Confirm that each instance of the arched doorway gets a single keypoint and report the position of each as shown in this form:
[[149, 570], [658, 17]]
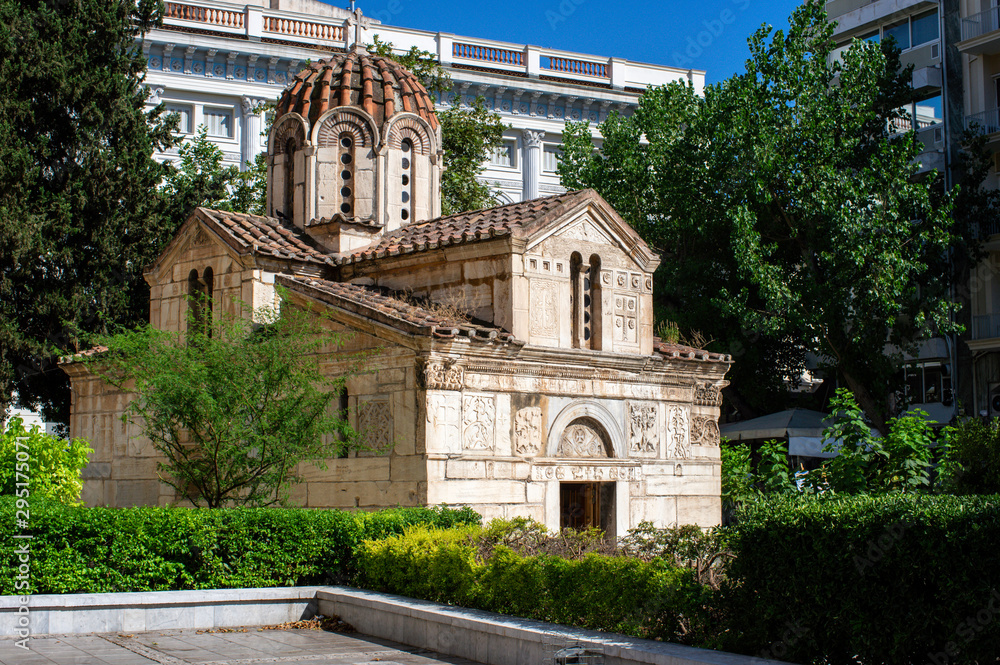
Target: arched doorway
[[584, 505]]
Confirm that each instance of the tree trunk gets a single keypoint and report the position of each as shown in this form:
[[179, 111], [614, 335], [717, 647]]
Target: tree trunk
[[867, 403]]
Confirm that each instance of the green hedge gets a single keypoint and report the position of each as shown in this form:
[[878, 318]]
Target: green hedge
[[651, 599], [97, 550], [867, 579]]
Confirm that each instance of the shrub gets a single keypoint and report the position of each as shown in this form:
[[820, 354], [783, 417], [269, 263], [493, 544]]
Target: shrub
[[98, 550], [972, 460], [50, 464], [473, 567], [897, 578]]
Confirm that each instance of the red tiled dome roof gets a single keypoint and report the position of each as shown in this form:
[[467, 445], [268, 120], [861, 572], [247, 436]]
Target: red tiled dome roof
[[380, 86]]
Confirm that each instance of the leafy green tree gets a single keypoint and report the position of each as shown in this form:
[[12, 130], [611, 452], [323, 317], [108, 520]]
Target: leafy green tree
[[78, 222], [233, 406], [199, 178], [33, 463], [469, 135], [790, 209], [971, 464]]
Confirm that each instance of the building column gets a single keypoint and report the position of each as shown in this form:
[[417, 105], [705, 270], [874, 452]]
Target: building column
[[250, 141], [532, 158]]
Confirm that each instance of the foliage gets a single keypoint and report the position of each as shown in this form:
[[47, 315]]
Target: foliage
[[422, 64], [77, 221], [642, 597], [469, 135], [899, 461], [248, 192], [789, 211], [104, 550], [50, 465], [233, 406], [738, 479], [198, 178], [971, 463], [865, 579]]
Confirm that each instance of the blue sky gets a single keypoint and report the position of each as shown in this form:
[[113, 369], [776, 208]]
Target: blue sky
[[709, 35]]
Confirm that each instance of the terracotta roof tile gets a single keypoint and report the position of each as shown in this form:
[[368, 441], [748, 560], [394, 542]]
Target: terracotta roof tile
[[266, 235], [466, 227], [688, 352], [381, 86], [390, 306]]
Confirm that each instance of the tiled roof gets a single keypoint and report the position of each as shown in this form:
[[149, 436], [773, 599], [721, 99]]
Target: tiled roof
[[265, 235], [468, 226], [392, 308], [688, 352], [380, 86]]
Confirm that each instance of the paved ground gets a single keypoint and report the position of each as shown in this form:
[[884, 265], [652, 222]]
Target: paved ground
[[183, 647]]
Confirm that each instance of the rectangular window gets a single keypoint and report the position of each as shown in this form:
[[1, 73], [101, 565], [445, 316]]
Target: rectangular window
[[184, 116], [505, 155], [550, 158], [925, 27], [928, 112], [873, 37], [219, 122], [900, 32]]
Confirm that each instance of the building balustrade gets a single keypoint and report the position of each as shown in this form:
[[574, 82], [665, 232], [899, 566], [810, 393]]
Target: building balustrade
[[986, 326], [981, 24], [254, 23]]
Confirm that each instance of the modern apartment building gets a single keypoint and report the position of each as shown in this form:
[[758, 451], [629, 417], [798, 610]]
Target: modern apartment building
[[954, 46], [213, 63]]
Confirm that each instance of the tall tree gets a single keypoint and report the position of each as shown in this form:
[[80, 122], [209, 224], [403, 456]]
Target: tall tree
[[470, 133], [801, 199], [77, 219]]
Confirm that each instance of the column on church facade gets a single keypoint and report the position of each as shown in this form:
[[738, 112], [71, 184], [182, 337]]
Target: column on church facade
[[250, 142], [532, 158]]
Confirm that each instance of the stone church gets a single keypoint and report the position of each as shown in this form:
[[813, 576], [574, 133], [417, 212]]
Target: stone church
[[515, 368]]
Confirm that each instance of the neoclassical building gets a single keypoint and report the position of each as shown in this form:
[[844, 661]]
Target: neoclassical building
[[514, 365]]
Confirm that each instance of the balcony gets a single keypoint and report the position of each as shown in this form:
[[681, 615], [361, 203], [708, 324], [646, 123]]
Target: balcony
[[981, 32], [988, 121], [986, 326], [254, 23]]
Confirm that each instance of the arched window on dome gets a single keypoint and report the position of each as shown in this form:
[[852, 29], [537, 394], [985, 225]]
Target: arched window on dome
[[346, 179], [406, 181]]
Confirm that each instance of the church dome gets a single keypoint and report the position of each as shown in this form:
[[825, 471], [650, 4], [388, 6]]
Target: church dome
[[378, 85]]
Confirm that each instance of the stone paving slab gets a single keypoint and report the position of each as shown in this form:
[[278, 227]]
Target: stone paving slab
[[192, 647]]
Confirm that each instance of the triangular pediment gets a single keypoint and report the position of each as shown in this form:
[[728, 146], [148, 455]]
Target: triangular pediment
[[594, 221], [194, 233]]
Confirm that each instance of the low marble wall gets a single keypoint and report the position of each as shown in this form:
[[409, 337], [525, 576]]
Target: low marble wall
[[156, 610], [497, 639]]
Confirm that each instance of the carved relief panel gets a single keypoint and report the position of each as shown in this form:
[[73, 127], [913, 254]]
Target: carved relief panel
[[678, 433], [643, 429], [528, 431], [582, 438], [375, 424], [544, 313], [626, 318], [441, 376], [478, 422], [444, 419], [705, 431]]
